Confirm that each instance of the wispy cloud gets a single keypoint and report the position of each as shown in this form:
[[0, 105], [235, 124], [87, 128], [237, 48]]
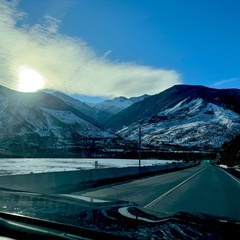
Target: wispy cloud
[[69, 64], [226, 81], [107, 53]]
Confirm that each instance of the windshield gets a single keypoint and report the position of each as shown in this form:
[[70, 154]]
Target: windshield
[[121, 104]]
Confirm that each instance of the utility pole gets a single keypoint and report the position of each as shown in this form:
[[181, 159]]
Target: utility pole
[[139, 144]]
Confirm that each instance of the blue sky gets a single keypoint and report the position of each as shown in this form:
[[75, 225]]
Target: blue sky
[[167, 42]]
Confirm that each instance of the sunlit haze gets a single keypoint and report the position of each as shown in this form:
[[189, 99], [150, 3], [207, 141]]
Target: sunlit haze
[[30, 80]]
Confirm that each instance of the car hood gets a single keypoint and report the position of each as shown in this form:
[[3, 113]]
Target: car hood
[[121, 219]]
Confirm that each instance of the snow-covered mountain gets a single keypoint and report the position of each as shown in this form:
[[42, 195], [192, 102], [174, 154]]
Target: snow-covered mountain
[[84, 110], [182, 118], [105, 110], [54, 124], [98, 113], [41, 124], [194, 125]]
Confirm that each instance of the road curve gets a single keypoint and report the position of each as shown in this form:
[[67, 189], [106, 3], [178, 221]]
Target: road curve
[[201, 189]]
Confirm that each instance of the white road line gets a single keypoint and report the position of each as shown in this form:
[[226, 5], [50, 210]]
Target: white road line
[[231, 176], [171, 190]]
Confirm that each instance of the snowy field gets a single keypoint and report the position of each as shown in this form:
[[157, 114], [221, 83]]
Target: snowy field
[[9, 166]]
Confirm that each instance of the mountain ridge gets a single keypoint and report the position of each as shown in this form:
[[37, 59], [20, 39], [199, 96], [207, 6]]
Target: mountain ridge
[[158, 102], [109, 108], [181, 118], [48, 127]]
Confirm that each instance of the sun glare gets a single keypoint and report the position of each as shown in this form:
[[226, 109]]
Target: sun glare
[[30, 80]]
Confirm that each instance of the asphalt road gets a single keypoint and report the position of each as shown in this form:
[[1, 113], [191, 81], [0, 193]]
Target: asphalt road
[[202, 189]]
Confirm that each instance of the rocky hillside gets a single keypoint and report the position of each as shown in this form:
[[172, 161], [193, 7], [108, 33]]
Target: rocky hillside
[[151, 106], [182, 118], [83, 110], [41, 124]]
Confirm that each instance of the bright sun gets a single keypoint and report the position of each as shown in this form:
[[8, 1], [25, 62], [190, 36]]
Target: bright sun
[[30, 80]]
